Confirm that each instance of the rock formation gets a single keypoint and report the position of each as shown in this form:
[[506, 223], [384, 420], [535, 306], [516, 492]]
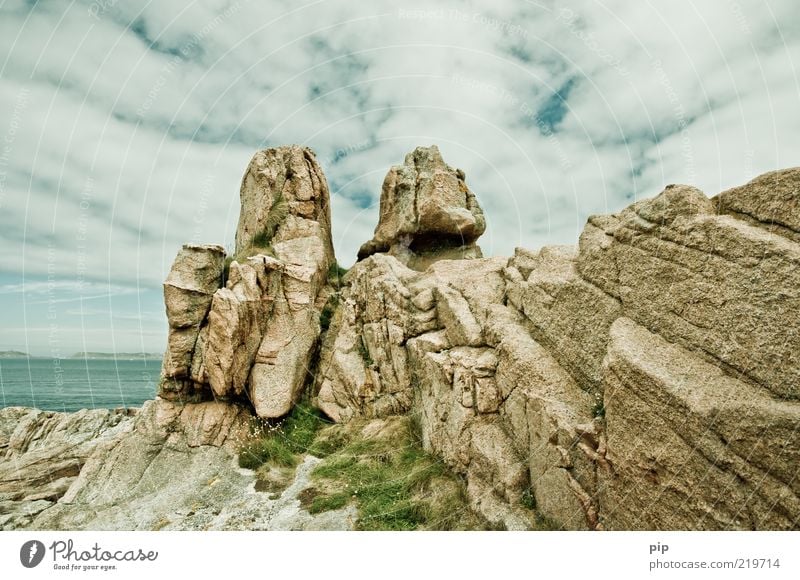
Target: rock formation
[[624, 383], [253, 336], [189, 289], [427, 212], [242, 332], [171, 466], [42, 454], [646, 378]]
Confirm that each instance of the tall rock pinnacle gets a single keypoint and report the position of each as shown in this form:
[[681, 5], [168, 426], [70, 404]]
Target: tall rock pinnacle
[[284, 196], [253, 337]]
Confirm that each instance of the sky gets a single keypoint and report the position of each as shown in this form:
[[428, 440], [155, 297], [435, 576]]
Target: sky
[[126, 126]]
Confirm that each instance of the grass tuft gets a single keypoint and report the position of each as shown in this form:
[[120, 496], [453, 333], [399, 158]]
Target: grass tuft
[[396, 484], [277, 214], [335, 275], [378, 465], [528, 499], [327, 503], [281, 443], [226, 270], [328, 311]]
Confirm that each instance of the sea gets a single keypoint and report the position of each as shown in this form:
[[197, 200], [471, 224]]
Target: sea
[[74, 384]]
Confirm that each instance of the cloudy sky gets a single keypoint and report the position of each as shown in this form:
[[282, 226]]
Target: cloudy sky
[[125, 126]]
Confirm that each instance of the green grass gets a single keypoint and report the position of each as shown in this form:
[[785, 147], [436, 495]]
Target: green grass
[[281, 443], [393, 482], [269, 449], [226, 269], [327, 442], [396, 485], [335, 275], [528, 499], [261, 241], [364, 352], [328, 311], [277, 214], [327, 503]]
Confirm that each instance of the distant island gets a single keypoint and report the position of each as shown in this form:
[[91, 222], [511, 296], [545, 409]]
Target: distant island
[[117, 355], [17, 354], [13, 354]]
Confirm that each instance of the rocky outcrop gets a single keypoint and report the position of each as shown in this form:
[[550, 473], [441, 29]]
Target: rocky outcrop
[[427, 213], [646, 378], [253, 337], [690, 446], [242, 332], [712, 283], [171, 466], [130, 482], [189, 288], [620, 384], [770, 201], [42, 454], [489, 399], [284, 194]]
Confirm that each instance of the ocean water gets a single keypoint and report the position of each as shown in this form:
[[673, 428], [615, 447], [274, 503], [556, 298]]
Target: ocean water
[[73, 384]]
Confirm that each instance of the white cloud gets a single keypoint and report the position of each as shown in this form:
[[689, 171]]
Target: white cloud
[[153, 110], [79, 288]]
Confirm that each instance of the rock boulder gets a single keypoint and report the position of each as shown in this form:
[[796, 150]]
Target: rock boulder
[[427, 212]]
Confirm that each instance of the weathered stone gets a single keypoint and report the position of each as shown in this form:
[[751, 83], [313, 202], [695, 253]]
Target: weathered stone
[[285, 192], [423, 257], [549, 420], [462, 277], [646, 380], [177, 364], [42, 454], [363, 366], [169, 467], [456, 317], [496, 477], [196, 269], [690, 447], [595, 260], [721, 287], [457, 402], [344, 382], [771, 200], [427, 212], [716, 285], [255, 337], [675, 201], [282, 362], [363, 360], [132, 482], [568, 315], [284, 198], [195, 275], [237, 321]]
